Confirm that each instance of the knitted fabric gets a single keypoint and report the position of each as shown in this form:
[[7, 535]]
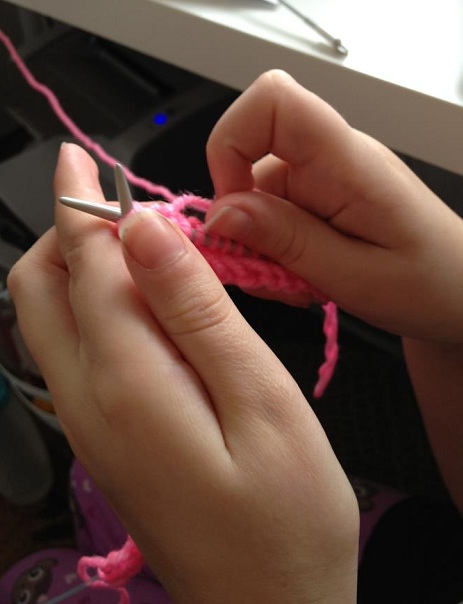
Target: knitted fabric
[[233, 263]]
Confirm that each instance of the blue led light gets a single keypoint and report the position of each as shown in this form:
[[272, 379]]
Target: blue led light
[[160, 119]]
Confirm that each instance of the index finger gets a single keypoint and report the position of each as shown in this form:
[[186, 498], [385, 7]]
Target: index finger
[[275, 115], [101, 292]]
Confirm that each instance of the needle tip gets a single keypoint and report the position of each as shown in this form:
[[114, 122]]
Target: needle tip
[[339, 46], [69, 201], [123, 191], [107, 212]]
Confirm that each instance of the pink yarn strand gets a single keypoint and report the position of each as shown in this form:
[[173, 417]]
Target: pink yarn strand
[[330, 329], [114, 571], [72, 127]]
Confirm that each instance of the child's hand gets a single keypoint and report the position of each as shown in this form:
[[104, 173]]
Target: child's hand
[[338, 209], [192, 428]]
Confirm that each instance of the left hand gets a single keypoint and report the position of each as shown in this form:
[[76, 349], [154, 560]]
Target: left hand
[[194, 431], [297, 184]]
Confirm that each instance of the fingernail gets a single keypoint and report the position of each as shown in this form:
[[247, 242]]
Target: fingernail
[[230, 222], [150, 239]]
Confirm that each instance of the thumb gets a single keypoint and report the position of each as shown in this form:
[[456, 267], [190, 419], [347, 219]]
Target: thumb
[[194, 310]]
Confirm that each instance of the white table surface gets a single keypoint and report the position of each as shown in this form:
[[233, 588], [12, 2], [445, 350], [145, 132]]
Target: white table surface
[[401, 82]]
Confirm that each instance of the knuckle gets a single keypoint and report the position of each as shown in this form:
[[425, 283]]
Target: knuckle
[[290, 246], [20, 279], [108, 391], [75, 253], [203, 309], [14, 280], [274, 79], [73, 257]]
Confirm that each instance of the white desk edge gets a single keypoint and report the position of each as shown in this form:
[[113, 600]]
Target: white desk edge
[[411, 122]]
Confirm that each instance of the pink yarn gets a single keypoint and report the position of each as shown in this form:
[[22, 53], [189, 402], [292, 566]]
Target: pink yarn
[[114, 571], [330, 329], [233, 263], [72, 127]]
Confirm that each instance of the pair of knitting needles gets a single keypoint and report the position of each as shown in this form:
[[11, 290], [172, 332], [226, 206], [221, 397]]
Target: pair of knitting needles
[[335, 42], [112, 213]]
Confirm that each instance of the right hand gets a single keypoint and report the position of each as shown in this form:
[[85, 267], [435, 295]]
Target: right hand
[[296, 183]]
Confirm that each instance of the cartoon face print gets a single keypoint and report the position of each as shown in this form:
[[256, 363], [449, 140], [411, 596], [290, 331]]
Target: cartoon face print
[[33, 585]]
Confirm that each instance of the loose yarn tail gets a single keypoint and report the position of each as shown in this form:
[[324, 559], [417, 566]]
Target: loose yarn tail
[[114, 571], [330, 329]]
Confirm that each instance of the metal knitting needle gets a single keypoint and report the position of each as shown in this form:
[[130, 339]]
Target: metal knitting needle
[[335, 42], [123, 190], [66, 595], [112, 213]]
